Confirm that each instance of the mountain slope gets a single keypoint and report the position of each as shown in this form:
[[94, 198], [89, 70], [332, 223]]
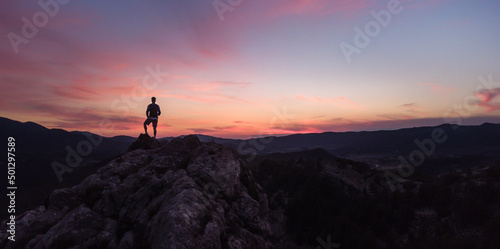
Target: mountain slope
[[184, 194], [466, 145], [37, 148], [460, 139]]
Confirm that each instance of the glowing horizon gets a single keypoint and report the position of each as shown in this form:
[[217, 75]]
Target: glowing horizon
[[234, 71]]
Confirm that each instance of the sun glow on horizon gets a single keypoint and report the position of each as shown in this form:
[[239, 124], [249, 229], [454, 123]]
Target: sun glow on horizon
[[266, 68]]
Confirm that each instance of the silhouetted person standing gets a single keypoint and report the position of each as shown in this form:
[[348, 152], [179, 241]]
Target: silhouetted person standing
[[152, 113]]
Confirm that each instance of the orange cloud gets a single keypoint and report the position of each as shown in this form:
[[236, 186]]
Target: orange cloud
[[396, 116]]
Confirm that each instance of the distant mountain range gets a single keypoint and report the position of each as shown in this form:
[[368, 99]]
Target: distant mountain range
[[38, 149], [380, 147]]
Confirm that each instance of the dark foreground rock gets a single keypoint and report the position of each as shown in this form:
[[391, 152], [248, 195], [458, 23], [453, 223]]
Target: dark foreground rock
[[185, 194], [145, 142]]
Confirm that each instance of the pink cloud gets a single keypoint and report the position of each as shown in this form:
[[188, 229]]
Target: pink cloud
[[486, 98], [77, 118], [80, 92], [408, 105], [413, 108], [241, 122], [209, 38], [76, 48], [83, 55], [300, 97], [207, 98]]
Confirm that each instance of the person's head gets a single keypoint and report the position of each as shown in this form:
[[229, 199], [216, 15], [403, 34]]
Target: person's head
[[153, 99]]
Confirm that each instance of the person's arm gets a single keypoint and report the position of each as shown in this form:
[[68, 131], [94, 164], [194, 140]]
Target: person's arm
[[147, 112], [159, 112]]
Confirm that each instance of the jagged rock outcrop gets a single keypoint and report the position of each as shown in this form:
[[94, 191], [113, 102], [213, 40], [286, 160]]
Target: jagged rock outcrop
[[184, 194], [144, 141]]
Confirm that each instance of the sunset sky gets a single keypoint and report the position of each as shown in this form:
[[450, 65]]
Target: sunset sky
[[258, 67]]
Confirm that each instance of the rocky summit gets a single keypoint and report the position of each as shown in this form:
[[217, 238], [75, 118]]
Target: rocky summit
[[182, 194], [188, 194]]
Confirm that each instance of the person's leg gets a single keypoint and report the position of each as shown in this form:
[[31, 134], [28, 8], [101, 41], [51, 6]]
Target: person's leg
[[146, 127], [155, 123]]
